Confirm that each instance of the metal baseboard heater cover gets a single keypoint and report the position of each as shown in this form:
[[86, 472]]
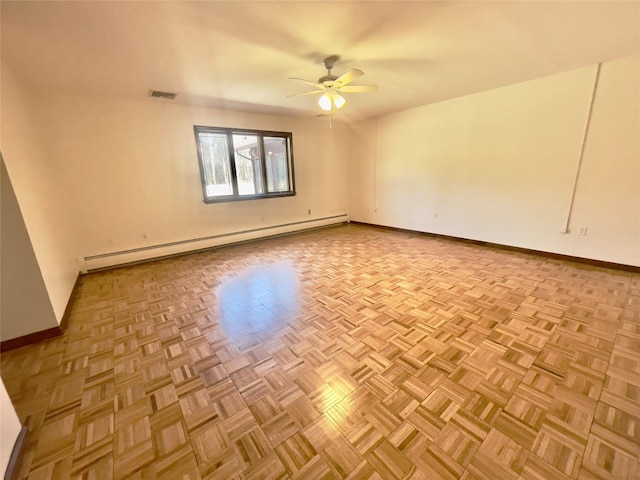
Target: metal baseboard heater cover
[[134, 255]]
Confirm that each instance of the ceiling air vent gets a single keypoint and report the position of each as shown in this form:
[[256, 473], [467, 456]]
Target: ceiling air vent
[[159, 94]]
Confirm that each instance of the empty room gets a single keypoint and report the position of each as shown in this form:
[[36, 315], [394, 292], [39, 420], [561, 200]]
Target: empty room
[[389, 240]]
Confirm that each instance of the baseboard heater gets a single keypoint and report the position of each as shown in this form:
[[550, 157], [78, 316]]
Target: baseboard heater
[[134, 255]]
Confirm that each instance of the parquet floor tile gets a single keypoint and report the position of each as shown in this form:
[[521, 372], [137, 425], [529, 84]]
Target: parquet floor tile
[[342, 353]]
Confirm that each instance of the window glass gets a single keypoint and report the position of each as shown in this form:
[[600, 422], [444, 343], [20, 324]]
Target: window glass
[[276, 164], [215, 162], [246, 150]]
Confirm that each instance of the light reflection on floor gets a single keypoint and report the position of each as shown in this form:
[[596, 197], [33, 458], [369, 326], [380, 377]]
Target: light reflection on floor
[[259, 299]]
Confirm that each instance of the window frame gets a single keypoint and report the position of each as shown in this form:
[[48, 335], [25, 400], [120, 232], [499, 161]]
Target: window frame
[[261, 134]]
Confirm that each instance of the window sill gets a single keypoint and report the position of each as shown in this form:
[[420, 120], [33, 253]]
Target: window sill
[[242, 198]]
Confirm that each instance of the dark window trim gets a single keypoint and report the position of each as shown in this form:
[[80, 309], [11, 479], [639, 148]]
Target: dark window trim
[[236, 197]]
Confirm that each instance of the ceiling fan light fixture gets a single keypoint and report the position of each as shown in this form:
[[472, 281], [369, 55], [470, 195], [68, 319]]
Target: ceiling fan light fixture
[[338, 100], [325, 102]]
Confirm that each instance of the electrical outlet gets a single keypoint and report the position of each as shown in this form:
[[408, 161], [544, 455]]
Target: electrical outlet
[[144, 235], [435, 215], [309, 211], [582, 231]]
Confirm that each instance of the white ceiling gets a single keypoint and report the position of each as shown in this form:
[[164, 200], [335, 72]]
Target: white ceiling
[[240, 54]]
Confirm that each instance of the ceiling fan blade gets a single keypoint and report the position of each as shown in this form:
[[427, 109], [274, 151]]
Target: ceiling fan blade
[[348, 77], [314, 92], [358, 88], [308, 82]]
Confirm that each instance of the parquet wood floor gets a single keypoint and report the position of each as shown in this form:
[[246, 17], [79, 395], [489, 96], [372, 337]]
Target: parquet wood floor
[[348, 352]]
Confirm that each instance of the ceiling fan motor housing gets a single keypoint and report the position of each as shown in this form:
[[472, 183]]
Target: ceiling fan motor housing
[[327, 78], [328, 63]]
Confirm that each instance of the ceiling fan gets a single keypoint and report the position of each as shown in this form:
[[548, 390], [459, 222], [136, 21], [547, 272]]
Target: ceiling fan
[[331, 86]]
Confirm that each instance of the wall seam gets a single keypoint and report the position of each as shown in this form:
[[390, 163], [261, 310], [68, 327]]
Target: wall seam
[[582, 148]]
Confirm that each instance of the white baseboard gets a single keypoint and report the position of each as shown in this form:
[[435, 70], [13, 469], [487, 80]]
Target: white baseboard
[[134, 255]]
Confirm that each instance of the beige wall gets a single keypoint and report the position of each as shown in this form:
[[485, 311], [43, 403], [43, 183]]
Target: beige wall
[[608, 188], [131, 169], [500, 166], [24, 302], [41, 198]]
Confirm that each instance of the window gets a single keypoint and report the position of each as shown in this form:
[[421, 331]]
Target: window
[[244, 164]]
